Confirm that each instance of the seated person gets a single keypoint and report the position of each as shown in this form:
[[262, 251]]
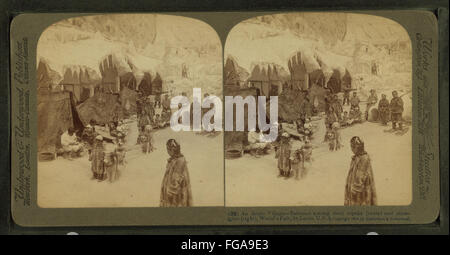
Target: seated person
[[355, 115], [158, 122], [122, 128], [120, 137], [300, 123], [345, 120], [256, 147], [70, 144], [112, 129]]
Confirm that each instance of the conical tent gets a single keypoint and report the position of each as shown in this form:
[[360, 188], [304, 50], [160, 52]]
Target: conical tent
[[346, 80], [235, 139], [128, 100], [317, 96], [156, 85], [334, 83], [289, 105], [235, 75], [102, 108], [145, 86], [46, 77], [56, 114], [316, 77], [231, 75], [128, 80]]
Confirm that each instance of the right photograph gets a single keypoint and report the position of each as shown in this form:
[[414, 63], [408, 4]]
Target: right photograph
[[341, 85]]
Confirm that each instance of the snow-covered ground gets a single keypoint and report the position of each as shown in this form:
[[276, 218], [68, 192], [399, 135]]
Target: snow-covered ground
[[249, 181], [67, 183], [253, 181]]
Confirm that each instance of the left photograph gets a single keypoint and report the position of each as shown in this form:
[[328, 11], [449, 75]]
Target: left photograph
[[105, 85]]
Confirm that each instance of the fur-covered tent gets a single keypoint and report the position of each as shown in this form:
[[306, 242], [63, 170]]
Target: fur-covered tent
[[56, 113], [47, 78], [157, 85], [301, 64], [128, 101], [145, 86], [102, 107], [235, 75], [81, 81], [236, 139], [289, 103], [128, 80], [266, 79]]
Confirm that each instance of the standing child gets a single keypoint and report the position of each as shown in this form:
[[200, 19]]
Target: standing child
[[143, 121], [121, 152], [158, 121], [111, 165], [297, 163], [331, 139], [307, 150], [283, 155], [147, 145], [97, 157], [141, 139], [337, 136]]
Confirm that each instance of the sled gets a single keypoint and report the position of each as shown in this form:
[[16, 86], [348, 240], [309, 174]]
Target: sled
[[403, 131]]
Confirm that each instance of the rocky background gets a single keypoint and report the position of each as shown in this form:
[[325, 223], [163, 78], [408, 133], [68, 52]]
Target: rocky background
[[138, 43]]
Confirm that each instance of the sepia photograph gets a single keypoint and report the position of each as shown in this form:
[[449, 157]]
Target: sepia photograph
[[343, 89], [269, 119], [105, 85]]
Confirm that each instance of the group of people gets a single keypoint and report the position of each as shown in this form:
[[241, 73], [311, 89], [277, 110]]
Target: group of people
[[107, 159], [151, 111], [337, 117], [392, 110], [292, 157], [360, 185], [335, 111], [149, 119], [387, 110], [106, 152]]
